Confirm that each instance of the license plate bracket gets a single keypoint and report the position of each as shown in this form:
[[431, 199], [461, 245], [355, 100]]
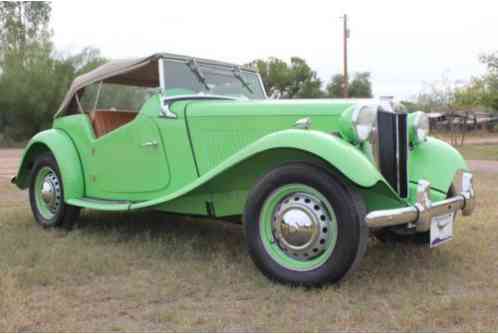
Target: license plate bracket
[[442, 229]]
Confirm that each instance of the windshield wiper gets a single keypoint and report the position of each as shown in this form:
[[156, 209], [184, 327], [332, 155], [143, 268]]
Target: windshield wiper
[[194, 67], [238, 75]]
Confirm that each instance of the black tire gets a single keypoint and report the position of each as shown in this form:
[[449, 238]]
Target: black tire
[[402, 235], [64, 215], [349, 209]]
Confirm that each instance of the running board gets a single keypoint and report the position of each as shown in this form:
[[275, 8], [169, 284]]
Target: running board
[[100, 204]]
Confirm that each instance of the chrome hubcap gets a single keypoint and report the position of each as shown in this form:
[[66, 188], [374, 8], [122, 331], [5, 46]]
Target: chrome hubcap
[[51, 192], [300, 226]]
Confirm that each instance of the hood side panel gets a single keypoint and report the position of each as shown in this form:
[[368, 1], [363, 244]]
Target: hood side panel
[[220, 130]]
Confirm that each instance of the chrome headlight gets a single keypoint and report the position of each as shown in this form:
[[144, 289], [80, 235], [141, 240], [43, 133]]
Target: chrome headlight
[[364, 119], [421, 126]]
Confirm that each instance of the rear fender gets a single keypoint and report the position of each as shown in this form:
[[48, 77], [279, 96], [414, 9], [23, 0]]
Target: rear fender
[[61, 146]]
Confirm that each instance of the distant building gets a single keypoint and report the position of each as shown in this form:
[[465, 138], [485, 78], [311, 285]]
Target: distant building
[[462, 119]]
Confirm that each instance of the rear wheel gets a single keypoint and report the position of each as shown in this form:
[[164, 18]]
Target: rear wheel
[[304, 226], [46, 195]]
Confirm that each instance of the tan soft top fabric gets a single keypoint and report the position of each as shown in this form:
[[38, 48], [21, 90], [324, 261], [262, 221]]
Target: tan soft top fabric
[[134, 72]]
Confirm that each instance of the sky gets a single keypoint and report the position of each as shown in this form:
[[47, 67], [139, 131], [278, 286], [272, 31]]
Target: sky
[[406, 45]]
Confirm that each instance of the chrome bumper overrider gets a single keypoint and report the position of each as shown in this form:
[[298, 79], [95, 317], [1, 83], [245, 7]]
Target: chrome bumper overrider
[[422, 212]]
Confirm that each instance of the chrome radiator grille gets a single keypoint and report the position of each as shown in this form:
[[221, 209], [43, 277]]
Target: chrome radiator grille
[[392, 155]]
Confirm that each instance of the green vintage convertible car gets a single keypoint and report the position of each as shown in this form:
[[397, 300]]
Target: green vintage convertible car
[[309, 179]]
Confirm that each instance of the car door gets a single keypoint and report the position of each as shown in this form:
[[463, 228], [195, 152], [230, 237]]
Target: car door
[[129, 160]]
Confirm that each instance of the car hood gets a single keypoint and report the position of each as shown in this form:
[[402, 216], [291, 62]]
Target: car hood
[[219, 129], [271, 107]]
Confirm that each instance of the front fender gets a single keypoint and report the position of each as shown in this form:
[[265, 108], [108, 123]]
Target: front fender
[[344, 157], [436, 162], [61, 146]]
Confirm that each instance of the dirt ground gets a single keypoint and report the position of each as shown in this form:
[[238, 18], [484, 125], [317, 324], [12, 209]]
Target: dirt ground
[[481, 141], [9, 161]]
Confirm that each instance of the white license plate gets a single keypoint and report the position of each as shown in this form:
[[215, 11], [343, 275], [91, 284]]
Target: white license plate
[[442, 229]]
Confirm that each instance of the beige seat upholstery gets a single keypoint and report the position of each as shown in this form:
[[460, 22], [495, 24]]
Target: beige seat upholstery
[[104, 121]]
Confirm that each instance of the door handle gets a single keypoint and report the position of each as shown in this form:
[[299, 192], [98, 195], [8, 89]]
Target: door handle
[[150, 143]]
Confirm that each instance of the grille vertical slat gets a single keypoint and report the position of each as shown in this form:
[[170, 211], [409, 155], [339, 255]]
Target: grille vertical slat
[[386, 125], [392, 132], [403, 154]]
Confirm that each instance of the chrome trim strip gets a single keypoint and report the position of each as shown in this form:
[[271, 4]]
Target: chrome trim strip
[[374, 141], [76, 96], [391, 217], [162, 83], [463, 183], [303, 123], [183, 58], [199, 97], [97, 97], [405, 159], [396, 125], [166, 101], [262, 85]]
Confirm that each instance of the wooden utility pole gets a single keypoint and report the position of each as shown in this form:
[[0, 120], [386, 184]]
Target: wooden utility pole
[[345, 74]]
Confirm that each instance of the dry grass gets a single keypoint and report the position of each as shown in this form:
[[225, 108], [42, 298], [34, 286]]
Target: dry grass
[[149, 272], [479, 152], [473, 137], [478, 145]]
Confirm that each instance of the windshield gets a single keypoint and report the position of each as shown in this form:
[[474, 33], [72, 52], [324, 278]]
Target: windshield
[[186, 78]]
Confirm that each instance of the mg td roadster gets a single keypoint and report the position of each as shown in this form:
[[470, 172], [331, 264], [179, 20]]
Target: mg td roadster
[[308, 179]]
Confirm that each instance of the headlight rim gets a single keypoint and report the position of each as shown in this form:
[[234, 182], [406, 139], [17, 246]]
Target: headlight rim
[[355, 122], [418, 119]]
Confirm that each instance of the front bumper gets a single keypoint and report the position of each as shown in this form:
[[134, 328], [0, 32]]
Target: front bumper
[[422, 212]]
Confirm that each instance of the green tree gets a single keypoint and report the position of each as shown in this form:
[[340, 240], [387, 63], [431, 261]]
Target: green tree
[[490, 80], [472, 94], [24, 27], [359, 87], [33, 77], [294, 80], [334, 87], [31, 94], [24, 41], [304, 81], [491, 61], [412, 106], [481, 91]]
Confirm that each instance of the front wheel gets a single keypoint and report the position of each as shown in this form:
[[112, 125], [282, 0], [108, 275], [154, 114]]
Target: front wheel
[[304, 226], [46, 195]]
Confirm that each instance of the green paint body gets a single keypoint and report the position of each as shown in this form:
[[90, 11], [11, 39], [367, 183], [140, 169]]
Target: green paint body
[[208, 158]]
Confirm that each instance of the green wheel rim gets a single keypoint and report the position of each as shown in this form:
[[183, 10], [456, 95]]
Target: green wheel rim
[[47, 176], [267, 231]]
